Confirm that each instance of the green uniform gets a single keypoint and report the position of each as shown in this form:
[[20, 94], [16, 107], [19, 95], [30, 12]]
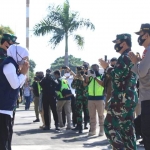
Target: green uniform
[[81, 100], [3, 55], [119, 125]]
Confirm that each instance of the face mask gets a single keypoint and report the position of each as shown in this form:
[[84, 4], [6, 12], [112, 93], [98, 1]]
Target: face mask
[[140, 40], [117, 47]]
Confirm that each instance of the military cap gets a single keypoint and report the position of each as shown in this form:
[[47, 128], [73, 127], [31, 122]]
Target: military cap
[[124, 36], [13, 39], [144, 27], [10, 37], [6, 36]]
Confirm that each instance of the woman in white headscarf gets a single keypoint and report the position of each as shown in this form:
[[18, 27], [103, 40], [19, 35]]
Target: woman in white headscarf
[[10, 81]]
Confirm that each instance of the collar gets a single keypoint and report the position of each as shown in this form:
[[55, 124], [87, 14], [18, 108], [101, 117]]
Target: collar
[[126, 51]]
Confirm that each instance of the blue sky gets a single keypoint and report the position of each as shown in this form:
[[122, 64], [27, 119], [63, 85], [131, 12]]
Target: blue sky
[[110, 17]]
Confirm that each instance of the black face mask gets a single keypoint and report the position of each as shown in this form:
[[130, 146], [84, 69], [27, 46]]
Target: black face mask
[[140, 40], [117, 47]]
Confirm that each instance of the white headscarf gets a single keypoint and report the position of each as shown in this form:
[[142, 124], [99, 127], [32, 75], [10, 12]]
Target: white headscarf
[[14, 50]]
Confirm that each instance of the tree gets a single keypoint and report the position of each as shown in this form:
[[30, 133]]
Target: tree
[[62, 22], [73, 63], [4, 29], [31, 70]]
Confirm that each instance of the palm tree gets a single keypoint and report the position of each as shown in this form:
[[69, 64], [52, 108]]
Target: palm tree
[[62, 22]]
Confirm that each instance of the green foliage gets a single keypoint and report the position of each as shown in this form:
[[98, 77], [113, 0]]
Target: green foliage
[[31, 70], [61, 22], [4, 29], [73, 63]]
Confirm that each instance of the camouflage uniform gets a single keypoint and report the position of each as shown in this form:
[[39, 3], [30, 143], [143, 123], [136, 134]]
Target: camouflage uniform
[[3, 54], [119, 125], [81, 100]]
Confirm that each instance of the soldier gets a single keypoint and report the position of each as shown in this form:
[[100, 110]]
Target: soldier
[[107, 83], [81, 99], [119, 125], [6, 41]]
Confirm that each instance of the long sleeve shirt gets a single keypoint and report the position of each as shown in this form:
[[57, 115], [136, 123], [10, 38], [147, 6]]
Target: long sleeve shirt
[[123, 79], [142, 69], [14, 80], [80, 90]]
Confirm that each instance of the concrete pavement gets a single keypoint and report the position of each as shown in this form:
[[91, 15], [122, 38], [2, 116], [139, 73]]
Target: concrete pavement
[[28, 136]]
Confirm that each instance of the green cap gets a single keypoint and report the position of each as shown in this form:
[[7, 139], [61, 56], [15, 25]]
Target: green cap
[[6, 36], [124, 36]]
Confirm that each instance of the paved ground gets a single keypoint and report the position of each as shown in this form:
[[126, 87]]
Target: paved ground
[[28, 136]]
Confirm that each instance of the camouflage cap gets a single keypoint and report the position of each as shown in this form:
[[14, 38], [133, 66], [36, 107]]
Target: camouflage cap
[[144, 27], [124, 36]]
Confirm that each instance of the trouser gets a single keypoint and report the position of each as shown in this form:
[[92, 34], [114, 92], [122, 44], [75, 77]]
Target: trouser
[[27, 104], [138, 109], [119, 125], [82, 106], [73, 107], [49, 102], [42, 116], [36, 107], [137, 124], [94, 105], [145, 123], [63, 116], [67, 107], [6, 132], [108, 96]]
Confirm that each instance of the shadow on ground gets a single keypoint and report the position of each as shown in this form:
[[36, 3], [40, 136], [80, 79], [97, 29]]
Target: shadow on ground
[[23, 123], [31, 131]]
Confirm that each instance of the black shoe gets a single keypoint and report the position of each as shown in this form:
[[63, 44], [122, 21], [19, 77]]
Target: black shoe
[[57, 128], [80, 128], [37, 120], [46, 128]]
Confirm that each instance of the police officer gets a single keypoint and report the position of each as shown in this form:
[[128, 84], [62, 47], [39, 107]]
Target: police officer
[[142, 69], [118, 125]]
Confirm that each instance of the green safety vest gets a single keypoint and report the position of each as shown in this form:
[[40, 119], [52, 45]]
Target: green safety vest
[[64, 85], [94, 89], [39, 87]]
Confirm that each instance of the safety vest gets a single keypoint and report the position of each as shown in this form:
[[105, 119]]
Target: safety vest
[[94, 89], [39, 88], [64, 85]]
